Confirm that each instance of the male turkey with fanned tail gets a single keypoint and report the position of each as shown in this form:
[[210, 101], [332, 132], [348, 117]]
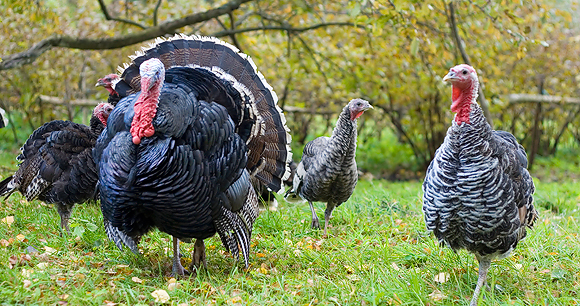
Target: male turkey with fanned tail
[[477, 190], [327, 171], [195, 122], [56, 164]]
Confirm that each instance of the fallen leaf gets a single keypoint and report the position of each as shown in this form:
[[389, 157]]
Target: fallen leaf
[[518, 266], [20, 237], [26, 283], [62, 303], [49, 250], [553, 253], [395, 267], [4, 242], [161, 296], [30, 249], [63, 296], [441, 277], [260, 254], [136, 279], [8, 220], [12, 261], [42, 265], [173, 286], [437, 295]]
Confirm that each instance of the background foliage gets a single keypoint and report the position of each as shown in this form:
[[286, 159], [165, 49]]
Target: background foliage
[[320, 54]]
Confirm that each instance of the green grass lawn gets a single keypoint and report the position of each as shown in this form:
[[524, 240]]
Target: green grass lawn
[[377, 253]]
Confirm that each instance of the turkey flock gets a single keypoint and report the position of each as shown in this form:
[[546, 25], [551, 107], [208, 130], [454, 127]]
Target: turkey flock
[[191, 141]]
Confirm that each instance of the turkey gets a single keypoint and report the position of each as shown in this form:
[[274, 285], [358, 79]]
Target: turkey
[[265, 196], [196, 121], [327, 171], [56, 164], [109, 82], [477, 193], [3, 118]]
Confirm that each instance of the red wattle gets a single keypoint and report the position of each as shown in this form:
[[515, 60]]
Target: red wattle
[[145, 109]]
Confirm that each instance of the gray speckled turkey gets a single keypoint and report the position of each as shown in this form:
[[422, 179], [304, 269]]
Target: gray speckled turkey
[[327, 171], [56, 164], [194, 122], [477, 190]]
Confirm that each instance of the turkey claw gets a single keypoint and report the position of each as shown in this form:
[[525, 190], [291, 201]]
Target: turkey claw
[[315, 224]]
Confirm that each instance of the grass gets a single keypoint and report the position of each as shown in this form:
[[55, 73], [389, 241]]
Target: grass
[[378, 253]]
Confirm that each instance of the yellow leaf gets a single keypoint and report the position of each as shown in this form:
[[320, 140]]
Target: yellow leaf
[[161, 296], [136, 279], [441, 277], [20, 237], [8, 220], [49, 250], [437, 295]]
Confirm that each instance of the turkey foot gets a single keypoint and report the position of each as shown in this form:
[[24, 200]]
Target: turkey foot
[[315, 223], [178, 271], [198, 256], [484, 264]]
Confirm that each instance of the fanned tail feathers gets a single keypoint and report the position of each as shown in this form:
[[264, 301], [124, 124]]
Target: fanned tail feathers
[[120, 238], [235, 228], [268, 143]]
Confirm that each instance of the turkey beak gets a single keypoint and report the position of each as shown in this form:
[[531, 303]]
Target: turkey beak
[[450, 76], [100, 82]]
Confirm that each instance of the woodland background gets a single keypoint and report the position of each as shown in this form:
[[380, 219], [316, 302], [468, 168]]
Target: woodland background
[[318, 55]]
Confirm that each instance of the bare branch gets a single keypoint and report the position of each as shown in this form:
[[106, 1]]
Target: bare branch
[[61, 101], [108, 16], [459, 44], [535, 98], [155, 11], [286, 28], [30, 55]]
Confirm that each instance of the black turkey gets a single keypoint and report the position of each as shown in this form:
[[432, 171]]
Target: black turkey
[[477, 190], [327, 171], [196, 121], [266, 197], [56, 164]]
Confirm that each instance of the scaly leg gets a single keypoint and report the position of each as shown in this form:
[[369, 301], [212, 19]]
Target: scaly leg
[[327, 215], [315, 223], [178, 269], [198, 256], [64, 211], [484, 265]]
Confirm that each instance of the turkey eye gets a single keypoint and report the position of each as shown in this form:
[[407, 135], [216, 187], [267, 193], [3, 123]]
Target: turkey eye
[[464, 71]]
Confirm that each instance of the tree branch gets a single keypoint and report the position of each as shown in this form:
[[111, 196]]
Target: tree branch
[[459, 44], [286, 28], [30, 55], [155, 16], [108, 16]]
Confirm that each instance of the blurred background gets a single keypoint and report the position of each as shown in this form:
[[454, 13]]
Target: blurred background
[[317, 55]]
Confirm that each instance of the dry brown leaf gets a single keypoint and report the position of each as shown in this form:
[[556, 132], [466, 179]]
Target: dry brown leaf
[[161, 296], [8, 220], [436, 295], [136, 279], [4, 242], [26, 283], [173, 286], [63, 296], [12, 261], [441, 277], [49, 250]]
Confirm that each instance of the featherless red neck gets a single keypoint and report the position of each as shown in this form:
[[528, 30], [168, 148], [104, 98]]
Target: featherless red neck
[[465, 86], [152, 77]]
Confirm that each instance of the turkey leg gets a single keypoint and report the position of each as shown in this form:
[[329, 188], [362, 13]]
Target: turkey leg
[[64, 211], [484, 265], [178, 269], [327, 215], [198, 256], [315, 223]]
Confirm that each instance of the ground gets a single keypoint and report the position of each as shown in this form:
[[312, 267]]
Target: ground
[[378, 252]]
